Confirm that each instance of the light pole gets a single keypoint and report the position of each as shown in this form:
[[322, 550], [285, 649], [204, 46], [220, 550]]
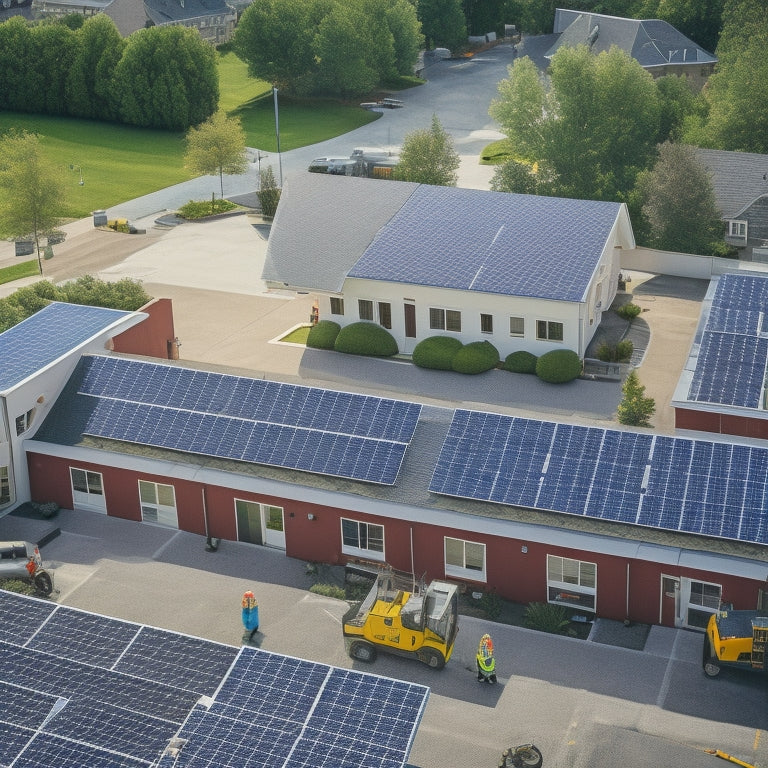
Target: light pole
[[72, 167], [277, 133]]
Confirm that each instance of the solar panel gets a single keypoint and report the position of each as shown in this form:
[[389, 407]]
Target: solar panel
[[48, 335], [304, 428], [745, 292], [693, 486], [237, 707]]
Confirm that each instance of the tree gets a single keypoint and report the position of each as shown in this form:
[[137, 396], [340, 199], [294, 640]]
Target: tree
[[592, 131], [679, 202], [56, 45], [17, 58], [269, 192], [31, 190], [676, 102], [428, 157], [635, 409], [443, 23], [167, 78], [514, 176], [217, 146], [404, 25]]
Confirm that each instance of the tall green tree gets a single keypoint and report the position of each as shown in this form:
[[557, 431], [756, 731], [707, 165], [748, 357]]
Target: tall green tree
[[217, 146], [678, 202], [428, 157], [167, 78], [443, 23], [269, 193], [677, 101], [17, 58], [90, 89], [591, 131], [635, 409], [31, 190], [56, 46], [405, 27]]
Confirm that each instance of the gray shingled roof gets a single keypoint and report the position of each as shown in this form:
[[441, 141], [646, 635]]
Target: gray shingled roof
[[323, 224], [651, 42], [738, 178], [445, 237], [165, 11]]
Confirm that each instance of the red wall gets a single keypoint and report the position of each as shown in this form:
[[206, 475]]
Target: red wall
[[152, 337], [512, 573], [721, 423]]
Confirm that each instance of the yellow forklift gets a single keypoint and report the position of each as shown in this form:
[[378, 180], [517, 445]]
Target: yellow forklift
[[736, 639], [405, 617]]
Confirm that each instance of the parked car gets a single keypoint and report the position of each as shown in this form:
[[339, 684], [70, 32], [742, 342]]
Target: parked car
[[21, 560]]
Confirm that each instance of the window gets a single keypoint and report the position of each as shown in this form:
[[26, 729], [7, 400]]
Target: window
[[703, 600], [464, 559], [385, 314], [5, 486], [88, 489], [571, 582], [444, 320], [486, 323], [158, 503], [337, 306], [24, 421], [549, 330], [516, 326], [365, 309], [363, 539], [737, 229]]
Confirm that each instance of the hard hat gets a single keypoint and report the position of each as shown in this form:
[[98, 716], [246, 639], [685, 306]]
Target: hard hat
[[248, 594]]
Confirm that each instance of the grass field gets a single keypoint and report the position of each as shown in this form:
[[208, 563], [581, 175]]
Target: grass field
[[120, 163], [17, 271]]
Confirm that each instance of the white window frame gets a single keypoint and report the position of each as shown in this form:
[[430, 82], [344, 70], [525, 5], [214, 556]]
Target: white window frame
[[24, 422], [548, 335], [367, 552], [153, 510], [93, 496], [337, 303], [385, 317], [439, 319], [457, 561], [512, 332], [740, 227], [368, 303], [703, 606], [572, 582]]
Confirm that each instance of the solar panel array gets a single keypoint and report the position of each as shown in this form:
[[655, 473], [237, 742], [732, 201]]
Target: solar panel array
[[47, 335], [731, 364], [253, 420], [678, 484], [144, 692]]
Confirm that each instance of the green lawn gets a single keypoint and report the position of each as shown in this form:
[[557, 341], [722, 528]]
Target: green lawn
[[120, 163], [17, 271]]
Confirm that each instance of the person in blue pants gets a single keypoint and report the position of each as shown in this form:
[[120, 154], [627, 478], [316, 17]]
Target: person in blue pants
[[250, 614]]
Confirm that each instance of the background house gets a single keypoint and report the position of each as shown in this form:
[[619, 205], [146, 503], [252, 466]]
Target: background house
[[214, 19], [740, 183], [521, 271], [656, 45]]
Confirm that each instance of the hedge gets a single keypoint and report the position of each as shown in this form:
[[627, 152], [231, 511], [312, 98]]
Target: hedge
[[436, 352], [323, 335], [365, 338], [476, 357], [558, 366], [520, 362]]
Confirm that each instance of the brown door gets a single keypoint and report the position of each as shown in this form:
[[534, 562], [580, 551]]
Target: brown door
[[410, 321]]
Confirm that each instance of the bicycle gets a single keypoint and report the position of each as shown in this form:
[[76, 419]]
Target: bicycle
[[524, 756]]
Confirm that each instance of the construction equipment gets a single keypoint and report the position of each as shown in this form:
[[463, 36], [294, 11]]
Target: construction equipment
[[735, 639], [730, 758], [404, 617]]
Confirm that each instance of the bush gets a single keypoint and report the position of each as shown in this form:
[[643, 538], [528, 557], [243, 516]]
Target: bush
[[520, 362], [47, 509], [436, 352], [618, 353], [18, 586], [628, 311], [476, 357], [198, 209], [558, 366], [546, 617], [365, 338], [329, 590], [491, 603], [323, 335]]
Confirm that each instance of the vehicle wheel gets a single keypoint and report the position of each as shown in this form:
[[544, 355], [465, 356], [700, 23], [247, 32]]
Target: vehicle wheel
[[43, 583], [432, 658], [363, 651], [527, 755], [711, 668]]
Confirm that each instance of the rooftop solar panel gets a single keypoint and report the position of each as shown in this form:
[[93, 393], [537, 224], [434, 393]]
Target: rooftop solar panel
[[48, 335], [259, 709], [693, 486]]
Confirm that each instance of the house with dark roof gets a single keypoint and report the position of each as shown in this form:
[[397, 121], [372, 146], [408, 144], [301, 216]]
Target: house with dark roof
[[603, 521], [656, 45], [214, 19], [740, 183], [523, 272]]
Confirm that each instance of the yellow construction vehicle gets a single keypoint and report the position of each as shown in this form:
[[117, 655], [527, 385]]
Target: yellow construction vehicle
[[404, 617], [735, 639]]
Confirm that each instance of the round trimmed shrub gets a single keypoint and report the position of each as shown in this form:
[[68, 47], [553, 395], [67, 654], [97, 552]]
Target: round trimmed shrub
[[323, 335], [628, 311], [436, 352], [520, 362], [476, 357], [365, 338], [558, 366]]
